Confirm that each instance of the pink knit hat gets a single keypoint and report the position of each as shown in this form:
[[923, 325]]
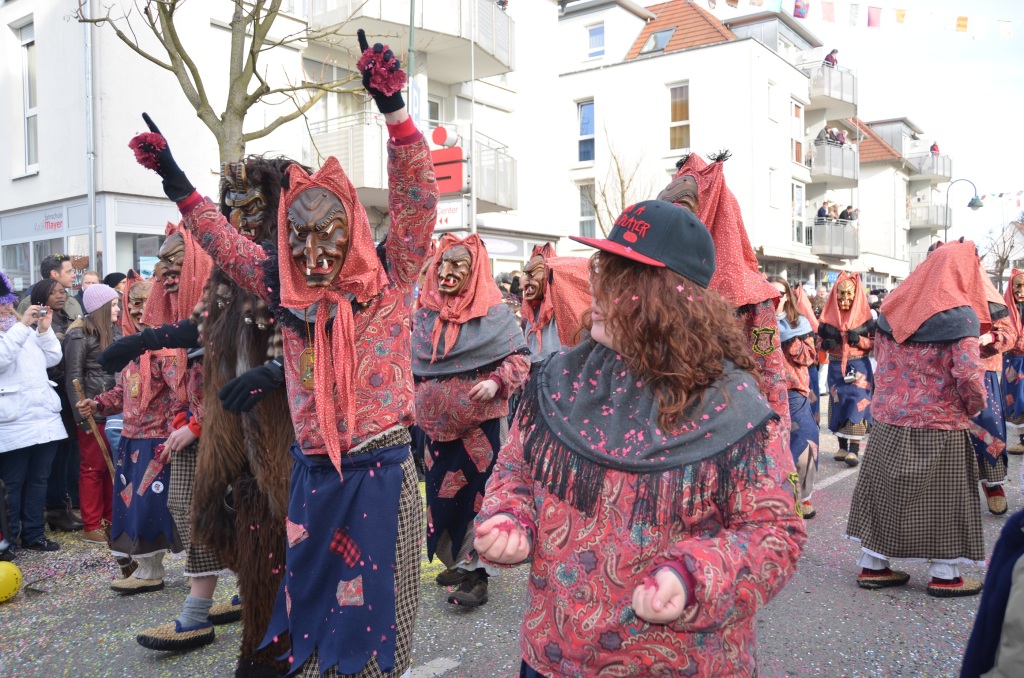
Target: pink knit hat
[[97, 295]]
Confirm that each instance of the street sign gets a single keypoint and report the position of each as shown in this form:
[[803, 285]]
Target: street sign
[[450, 170], [452, 214]]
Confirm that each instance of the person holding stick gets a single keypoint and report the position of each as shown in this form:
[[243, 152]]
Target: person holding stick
[[86, 338]]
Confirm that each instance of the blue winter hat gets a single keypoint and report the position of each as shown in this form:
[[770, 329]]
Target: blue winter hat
[[7, 295]]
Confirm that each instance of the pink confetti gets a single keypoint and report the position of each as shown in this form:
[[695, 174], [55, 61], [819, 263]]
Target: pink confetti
[[649, 583]]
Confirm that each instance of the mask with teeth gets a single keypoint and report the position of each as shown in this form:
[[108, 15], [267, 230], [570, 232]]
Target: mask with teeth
[[533, 279], [683, 192], [137, 296], [1018, 288], [318, 234], [453, 270], [844, 294], [244, 205], [172, 257]]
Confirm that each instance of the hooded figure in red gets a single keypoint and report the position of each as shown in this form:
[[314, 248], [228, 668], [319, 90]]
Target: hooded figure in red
[[700, 188], [1013, 364], [845, 330], [917, 491], [555, 289], [468, 357]]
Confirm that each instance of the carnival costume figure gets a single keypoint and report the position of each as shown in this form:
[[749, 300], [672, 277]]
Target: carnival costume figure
[[700, 187], [656, 523], [1013, 367], [988, 429], [806, 309], [351, 584], [468, 356], [846, 328], [556, 294], [798, 347], [917, 493]]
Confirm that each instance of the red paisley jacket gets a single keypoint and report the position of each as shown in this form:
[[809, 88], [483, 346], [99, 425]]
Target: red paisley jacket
[[152, 420], [1004, 338], [579, 620], [384, 397]]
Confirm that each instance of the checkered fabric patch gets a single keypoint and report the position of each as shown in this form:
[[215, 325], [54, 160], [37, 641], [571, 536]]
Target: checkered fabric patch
[[344, 546]]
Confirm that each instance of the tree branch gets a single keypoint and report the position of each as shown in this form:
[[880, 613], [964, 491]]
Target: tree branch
[[193, 88], [299, 111], [122, 36]]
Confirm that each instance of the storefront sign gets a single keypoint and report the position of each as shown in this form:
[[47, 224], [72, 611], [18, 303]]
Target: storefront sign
[[51, 222]]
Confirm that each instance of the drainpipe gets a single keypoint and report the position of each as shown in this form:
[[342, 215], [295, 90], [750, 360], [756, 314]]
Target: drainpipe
[[90, 151], [412, 51], [472, 121]]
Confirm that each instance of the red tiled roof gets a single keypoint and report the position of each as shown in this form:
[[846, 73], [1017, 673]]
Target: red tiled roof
[[872, 147], [694, 26]]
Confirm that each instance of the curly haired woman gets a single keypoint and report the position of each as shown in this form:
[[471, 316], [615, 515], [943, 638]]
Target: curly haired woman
[[645, 475]]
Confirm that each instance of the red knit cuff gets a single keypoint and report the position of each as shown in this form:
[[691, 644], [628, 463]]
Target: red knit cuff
[[180, 419], [404, 132], [501, 384], [689, 583], [195, 427], [188, 204]]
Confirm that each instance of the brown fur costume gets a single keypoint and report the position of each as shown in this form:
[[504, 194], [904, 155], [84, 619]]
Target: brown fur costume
[[243, 467]]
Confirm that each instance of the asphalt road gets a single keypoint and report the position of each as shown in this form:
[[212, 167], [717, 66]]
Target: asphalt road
[[66, 622]]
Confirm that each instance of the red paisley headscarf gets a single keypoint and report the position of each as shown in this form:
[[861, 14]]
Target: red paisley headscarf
[[362, 276], [566, 296], [803, 306], [736, 276], [1011, 303], [477, 295], [949, 277]]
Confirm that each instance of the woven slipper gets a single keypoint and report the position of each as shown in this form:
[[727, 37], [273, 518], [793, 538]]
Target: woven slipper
[[883, 579], [132, 585], [174, 637], [226, 613], [995, 497], [959, 587]]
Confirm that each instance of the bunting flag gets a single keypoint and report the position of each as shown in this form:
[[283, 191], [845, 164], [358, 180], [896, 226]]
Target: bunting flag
[[961, 24], [800, 9], [980, 29], [874, 17], [756, 3], [1005, 29], [854, 12], [901, 16], [828, 11], [733, 3], [712, 3]]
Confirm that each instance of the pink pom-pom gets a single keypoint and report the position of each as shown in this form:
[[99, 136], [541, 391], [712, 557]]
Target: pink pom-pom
[[146, 146], [383, 78]]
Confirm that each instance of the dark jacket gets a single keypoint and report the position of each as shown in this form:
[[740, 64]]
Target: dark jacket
[[82, 362]]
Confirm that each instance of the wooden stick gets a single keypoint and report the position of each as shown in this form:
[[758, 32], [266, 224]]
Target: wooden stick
[[96, 431]]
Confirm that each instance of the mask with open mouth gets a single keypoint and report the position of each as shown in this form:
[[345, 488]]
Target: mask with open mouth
[[1018, 288], [683, 192], [534, 277], [454, 269], [172, 258], [137, 296], [244, 204], [318, 234], [844, 294]]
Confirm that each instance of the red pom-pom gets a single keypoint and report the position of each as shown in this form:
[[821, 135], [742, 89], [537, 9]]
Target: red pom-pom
[[385, 76], [147, 146]]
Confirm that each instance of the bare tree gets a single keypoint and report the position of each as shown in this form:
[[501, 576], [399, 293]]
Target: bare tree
[[250, 28], [624, 184], [1004, 248]]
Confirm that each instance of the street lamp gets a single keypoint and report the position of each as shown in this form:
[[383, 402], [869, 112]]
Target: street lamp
[[975, 203]]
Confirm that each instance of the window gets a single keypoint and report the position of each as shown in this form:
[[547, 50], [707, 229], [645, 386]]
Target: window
[[596, 45], [27, 34], [17, 265], [798, 134], [585, 112], [679, 121], [657, 41], [771, 102], [801, 231], [774, 188], [332, 105], [588, 213], [434, 108]]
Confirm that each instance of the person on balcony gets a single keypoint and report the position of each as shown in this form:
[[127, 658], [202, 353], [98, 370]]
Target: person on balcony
[[822, 137], [846, 214], [846, 330], [833, 212], [831, 61], [935, 148], [916, 495], [841, 137], [822, 213]]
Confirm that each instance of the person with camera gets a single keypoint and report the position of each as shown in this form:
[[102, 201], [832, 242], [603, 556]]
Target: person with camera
[[85, 340], [30, 423], [55, 267]]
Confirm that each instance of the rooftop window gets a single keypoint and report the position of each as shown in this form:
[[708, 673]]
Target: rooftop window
[[657, 41]]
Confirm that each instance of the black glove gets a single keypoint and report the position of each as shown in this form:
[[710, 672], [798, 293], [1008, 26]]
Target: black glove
[[152, 152], [242, 393], [117, 356], [182, 334], [382, 68], [827, 344], [853, 336]]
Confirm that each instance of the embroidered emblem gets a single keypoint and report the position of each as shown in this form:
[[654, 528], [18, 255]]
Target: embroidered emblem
[[157, 486], [794, 480], [133, 385], [306, 368], [763, 340]]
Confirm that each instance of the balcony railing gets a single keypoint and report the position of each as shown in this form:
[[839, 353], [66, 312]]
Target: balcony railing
[[839, 84], [838, 238], [359, 142], [929, 215], [932, 166], [829, 161]]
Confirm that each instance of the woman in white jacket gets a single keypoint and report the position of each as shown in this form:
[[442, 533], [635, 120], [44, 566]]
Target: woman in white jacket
[[30, 423]]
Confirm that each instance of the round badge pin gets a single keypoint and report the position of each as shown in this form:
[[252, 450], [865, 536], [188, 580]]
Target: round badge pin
[[158, 486]]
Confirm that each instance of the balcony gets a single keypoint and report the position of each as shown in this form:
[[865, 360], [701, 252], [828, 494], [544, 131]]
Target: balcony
[[443, 33], [832, 89], [836, 238], [916, 258], [837, 166], [935, 168], [359, 142], [929, 215]]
